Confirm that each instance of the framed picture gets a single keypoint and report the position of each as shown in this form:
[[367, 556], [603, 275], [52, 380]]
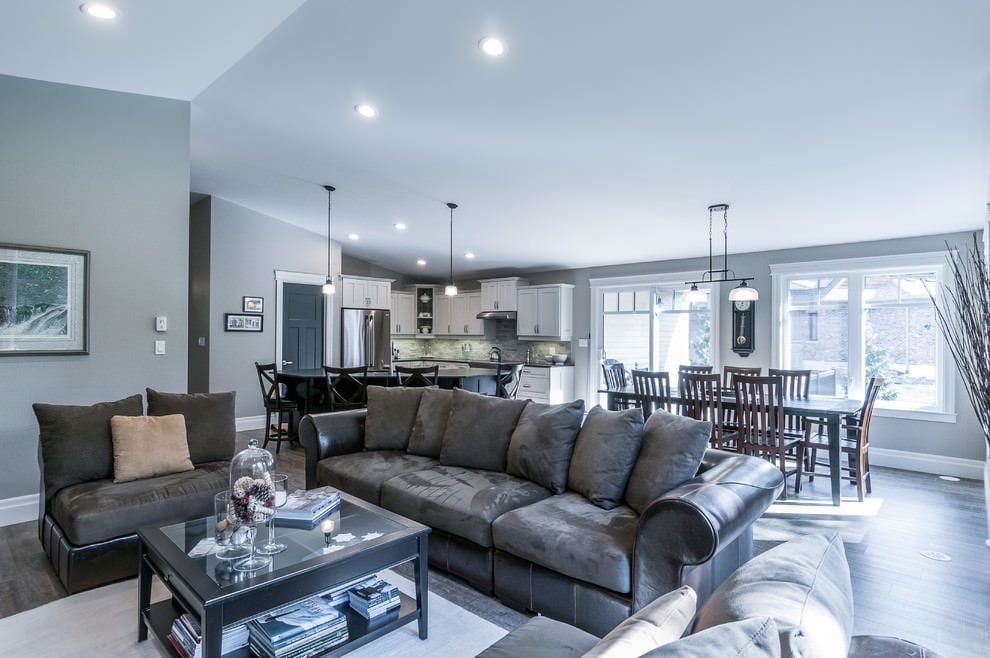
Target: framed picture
[[241, 322], [44, 300], [253, 304]]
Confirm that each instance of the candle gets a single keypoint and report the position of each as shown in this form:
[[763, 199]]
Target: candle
[[327, 527]]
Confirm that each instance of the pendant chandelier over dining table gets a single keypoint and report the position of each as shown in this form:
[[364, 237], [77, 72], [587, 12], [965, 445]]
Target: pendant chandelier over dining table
[[740, 293]]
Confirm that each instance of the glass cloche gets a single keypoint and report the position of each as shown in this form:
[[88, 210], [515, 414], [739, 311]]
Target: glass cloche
[[252, 494]]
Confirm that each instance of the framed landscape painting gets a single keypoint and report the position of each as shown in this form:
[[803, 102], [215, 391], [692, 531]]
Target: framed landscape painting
[[44, 300]]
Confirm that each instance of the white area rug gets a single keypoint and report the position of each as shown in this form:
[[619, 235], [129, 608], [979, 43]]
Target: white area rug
[[103, 622]]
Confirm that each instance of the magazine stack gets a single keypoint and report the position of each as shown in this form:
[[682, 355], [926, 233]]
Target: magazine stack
[[374, 597], [302, 628], [306, 508], [186, 636]]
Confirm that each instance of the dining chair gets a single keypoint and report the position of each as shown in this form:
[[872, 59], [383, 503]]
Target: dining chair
[[855, 444], [652, 390], [728, 379], [615, 379], [507, 380], [760, 420], [413, 377], [694, 368], [701, 399], [795, 385], [275, 404], [348, 387]]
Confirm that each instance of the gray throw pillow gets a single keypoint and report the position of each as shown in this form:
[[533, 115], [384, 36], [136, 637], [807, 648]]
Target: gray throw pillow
[[660, 622], [431, 421], [541, 445], [77, 442], [749, 638], [604, 455], [391, 413], [670, 455], [803, 584], [210, 422], [478, 430]]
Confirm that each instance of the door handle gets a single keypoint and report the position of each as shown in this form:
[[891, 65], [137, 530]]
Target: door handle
[[286, 363]]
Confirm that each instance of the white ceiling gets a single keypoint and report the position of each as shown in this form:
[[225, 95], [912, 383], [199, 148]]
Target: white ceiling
[[599, 138]]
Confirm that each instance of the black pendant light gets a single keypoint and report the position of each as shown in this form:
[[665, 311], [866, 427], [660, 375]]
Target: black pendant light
[[328, 287], [451, 289], [742, 292]]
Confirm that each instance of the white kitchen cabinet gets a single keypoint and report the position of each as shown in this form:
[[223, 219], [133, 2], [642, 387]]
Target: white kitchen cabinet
[[457, 315], [500, 294], [442, 314], [548, 385], [545, 312], [403, 314], [474, 326], [365, 292]]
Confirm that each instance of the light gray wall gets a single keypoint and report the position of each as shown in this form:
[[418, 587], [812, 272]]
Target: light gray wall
[[108, 172], [962, 439], [246, 249]]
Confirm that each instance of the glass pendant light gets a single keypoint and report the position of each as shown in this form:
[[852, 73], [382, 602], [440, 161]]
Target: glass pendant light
[[451, 289], [328, 287]]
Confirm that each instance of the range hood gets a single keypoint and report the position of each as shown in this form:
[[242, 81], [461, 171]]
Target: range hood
[[496, 315]]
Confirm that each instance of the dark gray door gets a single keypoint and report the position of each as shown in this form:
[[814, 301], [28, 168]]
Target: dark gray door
[[302, 326]]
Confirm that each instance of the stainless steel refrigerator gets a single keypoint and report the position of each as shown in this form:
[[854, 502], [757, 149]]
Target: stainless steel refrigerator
[[366, 338]]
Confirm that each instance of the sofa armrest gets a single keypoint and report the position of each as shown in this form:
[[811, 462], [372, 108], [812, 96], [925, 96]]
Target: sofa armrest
[[327, 434], [691, 523]]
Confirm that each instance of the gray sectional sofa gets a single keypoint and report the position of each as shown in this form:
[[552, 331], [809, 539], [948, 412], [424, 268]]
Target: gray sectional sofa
[[103, 477], [584, 522]]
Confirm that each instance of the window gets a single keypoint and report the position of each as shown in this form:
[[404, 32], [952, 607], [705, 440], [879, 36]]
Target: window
[[855, 319]]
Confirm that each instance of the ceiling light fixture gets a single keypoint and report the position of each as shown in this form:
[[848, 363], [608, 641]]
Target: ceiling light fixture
[[328, 287], [740, 293], [399, 226], [353, 236], [492, 46], [469, 255], [451, 289], [421, 262], [366, 110], [98, 10]]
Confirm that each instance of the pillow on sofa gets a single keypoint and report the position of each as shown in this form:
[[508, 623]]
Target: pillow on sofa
[[391, 412], [803, 584], [670, 455], [604, 455], [478, 430], [76, 442], [210, 424], [431, 421], [541, 445], [662, 621], [146, 446], [749, 638]]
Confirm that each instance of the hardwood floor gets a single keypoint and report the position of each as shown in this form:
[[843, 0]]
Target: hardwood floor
[[943, 605]]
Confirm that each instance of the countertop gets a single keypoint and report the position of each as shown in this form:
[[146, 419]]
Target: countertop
[[483, 363]]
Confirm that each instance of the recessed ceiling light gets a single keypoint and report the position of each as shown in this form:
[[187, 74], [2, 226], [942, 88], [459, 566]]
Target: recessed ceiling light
[[492, 46], [469, 255], [366, 110], [421, 262], [98, 10], [399, 226], [353, 236]]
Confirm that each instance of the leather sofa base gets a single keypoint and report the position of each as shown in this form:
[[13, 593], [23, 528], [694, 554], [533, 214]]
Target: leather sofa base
[[525, 586], [462, 558], [85, 567]]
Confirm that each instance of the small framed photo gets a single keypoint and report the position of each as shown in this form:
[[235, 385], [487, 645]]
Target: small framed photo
[[253, 304], [241, 322]]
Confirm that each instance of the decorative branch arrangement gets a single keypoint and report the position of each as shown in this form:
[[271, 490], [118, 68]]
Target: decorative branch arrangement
[[963, 315]]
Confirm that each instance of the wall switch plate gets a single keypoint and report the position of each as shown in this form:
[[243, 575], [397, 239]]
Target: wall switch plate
[[201, 341], [159, 347], [161, 323], [582, 342]]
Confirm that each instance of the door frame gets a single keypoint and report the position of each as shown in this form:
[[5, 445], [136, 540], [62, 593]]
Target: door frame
[[282, 277]]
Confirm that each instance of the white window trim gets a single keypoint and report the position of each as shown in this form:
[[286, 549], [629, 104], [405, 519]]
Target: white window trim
[[946, 412], [666, 279]]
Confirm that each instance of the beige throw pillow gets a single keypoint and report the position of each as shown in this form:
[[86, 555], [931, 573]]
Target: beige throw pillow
[[658, 623], [146, 446]]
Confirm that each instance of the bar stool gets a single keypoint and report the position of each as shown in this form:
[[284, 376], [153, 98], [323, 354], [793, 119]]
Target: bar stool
[[271, 391]]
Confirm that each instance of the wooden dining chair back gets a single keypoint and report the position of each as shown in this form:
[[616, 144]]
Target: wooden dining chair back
[[652, 390], [759, 405], [417, 377], [694, 368], [701, 399], [275, 405], [855, 443], [729, 374], [615, 379], [796, 385], [348, 387], [507, 380]]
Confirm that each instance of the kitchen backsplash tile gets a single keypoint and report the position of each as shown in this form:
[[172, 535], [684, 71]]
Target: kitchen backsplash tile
[[476, 349]]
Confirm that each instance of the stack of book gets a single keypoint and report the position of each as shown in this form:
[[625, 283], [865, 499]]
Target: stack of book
[[186, 637], [306, 508], [374, 597], [303, 628]]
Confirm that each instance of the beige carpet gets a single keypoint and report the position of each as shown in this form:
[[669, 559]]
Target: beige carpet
[[103, 622]]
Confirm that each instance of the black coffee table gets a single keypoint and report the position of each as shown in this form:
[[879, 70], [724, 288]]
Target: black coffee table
[[217, 595]]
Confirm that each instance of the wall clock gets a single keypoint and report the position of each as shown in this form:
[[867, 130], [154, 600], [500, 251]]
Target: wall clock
[[743, 314]]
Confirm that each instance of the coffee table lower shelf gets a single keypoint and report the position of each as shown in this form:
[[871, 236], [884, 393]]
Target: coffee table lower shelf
[[360, 631]]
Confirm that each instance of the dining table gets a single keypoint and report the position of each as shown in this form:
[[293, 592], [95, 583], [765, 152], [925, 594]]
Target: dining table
[[830, 409]]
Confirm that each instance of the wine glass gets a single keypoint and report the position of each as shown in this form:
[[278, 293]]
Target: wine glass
[[280, 485], [226, 533]]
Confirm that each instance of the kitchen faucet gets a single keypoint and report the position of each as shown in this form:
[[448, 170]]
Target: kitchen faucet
[[495, 354]]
